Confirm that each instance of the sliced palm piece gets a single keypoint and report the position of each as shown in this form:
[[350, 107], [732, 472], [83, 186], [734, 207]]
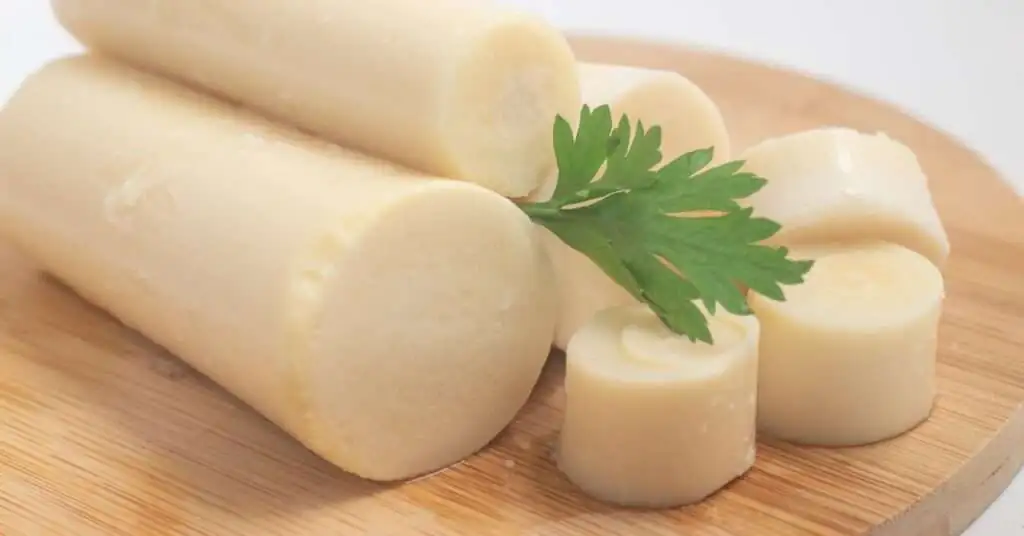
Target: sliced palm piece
[[652, 419], [849, 357], [689, 120], [343, 297], [464, 89], [837, 185]]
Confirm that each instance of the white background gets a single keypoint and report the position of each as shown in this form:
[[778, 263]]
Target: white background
[[957, 64]]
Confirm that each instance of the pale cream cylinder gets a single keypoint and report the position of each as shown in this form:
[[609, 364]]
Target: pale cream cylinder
[[464, 89], [652, 419], [838, 185], [849, 357], [394, 323], [689, 119]]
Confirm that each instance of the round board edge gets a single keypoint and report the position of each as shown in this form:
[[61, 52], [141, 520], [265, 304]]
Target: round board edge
[[956, 504]]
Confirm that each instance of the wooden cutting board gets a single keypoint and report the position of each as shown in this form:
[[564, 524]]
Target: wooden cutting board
[[102, 433]]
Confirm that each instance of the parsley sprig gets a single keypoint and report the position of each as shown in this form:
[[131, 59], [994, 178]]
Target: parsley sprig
[[673, 236]]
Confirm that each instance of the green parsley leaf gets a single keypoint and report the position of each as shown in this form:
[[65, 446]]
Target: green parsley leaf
[[672, 236], [580, 157]]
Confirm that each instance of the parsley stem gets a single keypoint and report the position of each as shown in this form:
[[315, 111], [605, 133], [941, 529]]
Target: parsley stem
[[541, 211]]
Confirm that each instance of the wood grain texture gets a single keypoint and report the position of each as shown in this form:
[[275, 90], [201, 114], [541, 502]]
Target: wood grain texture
[[102, 433]]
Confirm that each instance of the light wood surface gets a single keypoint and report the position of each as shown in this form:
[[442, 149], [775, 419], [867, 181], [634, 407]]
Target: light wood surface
[[102, 433]]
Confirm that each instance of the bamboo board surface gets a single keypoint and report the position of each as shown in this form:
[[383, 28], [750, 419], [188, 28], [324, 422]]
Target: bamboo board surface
[[102, 433]]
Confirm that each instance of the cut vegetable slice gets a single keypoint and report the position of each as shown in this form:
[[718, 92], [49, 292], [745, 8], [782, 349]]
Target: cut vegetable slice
[[849, 357], [652, 419], [837, 185]]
